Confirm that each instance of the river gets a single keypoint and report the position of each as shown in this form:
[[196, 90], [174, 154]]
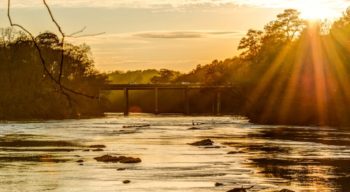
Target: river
[[42, 156]]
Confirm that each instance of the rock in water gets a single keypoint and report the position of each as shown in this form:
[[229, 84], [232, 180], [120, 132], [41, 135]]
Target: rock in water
[[240, 189], [205, 142], [123, 159], [218, 184], [99, 149], [237, 190], [126, 181], [107, 158], [235, 152], [97, 146], [286, 190]]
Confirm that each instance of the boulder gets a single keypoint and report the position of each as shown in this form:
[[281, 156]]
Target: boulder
[[286, 190], [205, 142], [97, 146], [99, 149], [126, 181], [107, 158], [218, 184], [115, 159], [123, 159], [234, 152], [240, 189]]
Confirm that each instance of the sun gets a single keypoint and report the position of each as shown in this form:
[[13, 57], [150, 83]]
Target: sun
[[315, 11]]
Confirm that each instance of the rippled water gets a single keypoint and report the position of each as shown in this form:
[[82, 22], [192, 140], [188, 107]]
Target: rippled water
[[41, 156]]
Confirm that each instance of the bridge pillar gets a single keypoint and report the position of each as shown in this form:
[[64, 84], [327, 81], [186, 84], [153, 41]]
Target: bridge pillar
[[156, 100], [187, 102], [126, 101], [218, 103]]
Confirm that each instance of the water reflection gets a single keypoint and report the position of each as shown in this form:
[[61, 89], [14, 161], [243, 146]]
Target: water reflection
[[310, 165], [56, 155]]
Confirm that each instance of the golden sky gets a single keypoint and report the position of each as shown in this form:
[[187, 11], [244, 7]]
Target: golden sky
[[175, 34]]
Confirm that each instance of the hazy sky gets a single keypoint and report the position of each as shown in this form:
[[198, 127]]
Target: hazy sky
[[175, 34]]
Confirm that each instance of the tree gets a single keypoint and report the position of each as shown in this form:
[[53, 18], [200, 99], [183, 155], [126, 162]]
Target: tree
[[165, 76], [27, 93], [343, 22], [250, 44], [47, 38], [287, 27]]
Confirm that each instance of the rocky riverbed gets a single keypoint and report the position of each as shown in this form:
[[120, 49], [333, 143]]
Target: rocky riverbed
[[169, 153]]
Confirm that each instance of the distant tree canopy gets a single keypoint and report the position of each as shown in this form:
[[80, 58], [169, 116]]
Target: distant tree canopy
[[165, 76], [26, 90], [297, 74], [291, 72]]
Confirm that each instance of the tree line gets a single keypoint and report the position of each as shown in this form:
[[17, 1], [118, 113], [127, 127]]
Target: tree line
[[26, 90], [290, 72]]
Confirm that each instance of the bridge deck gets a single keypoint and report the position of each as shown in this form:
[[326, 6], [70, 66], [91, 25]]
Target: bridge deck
[[163, 86], [156, 87]]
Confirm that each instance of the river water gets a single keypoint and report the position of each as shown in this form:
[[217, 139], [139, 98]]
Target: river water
[[42, 156]]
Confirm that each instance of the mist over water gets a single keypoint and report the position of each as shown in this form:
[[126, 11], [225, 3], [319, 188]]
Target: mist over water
[[42, 156]]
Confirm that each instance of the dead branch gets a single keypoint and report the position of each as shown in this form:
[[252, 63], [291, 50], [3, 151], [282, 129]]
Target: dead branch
[[63, 89], [62, 40], [77, 32]]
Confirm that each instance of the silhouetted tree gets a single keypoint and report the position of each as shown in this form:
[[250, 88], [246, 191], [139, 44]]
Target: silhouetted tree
[[165, 76], [251, 44], [27, 92]]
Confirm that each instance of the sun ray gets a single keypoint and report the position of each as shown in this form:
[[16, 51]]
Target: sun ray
[[315, 11], [291, 88]]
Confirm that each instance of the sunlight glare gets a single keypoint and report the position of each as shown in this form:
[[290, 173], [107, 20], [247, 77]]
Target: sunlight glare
[[314, 11]]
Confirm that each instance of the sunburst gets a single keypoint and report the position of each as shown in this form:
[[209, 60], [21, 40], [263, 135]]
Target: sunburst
[[314, 11]]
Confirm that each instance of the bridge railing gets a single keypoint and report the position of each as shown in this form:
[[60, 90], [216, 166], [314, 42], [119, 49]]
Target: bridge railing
[[156, 87], [163, 86]]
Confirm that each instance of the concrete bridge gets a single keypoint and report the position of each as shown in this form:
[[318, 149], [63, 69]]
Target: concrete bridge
[[218, 89]]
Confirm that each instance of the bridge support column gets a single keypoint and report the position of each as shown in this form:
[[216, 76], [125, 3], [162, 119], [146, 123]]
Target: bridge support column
[[126, 101], [156, 101], [218, 103], [187, 102]]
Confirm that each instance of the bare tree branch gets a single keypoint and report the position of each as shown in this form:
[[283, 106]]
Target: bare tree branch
[[62, 40], [63, 89], [77, 32], [87, 35]]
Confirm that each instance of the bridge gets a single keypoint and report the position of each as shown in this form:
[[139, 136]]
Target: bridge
[[218, 89]]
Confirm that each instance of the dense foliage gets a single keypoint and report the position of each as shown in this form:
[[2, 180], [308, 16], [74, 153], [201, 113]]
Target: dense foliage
[[27, 91], [291, 72], [299, 72]]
